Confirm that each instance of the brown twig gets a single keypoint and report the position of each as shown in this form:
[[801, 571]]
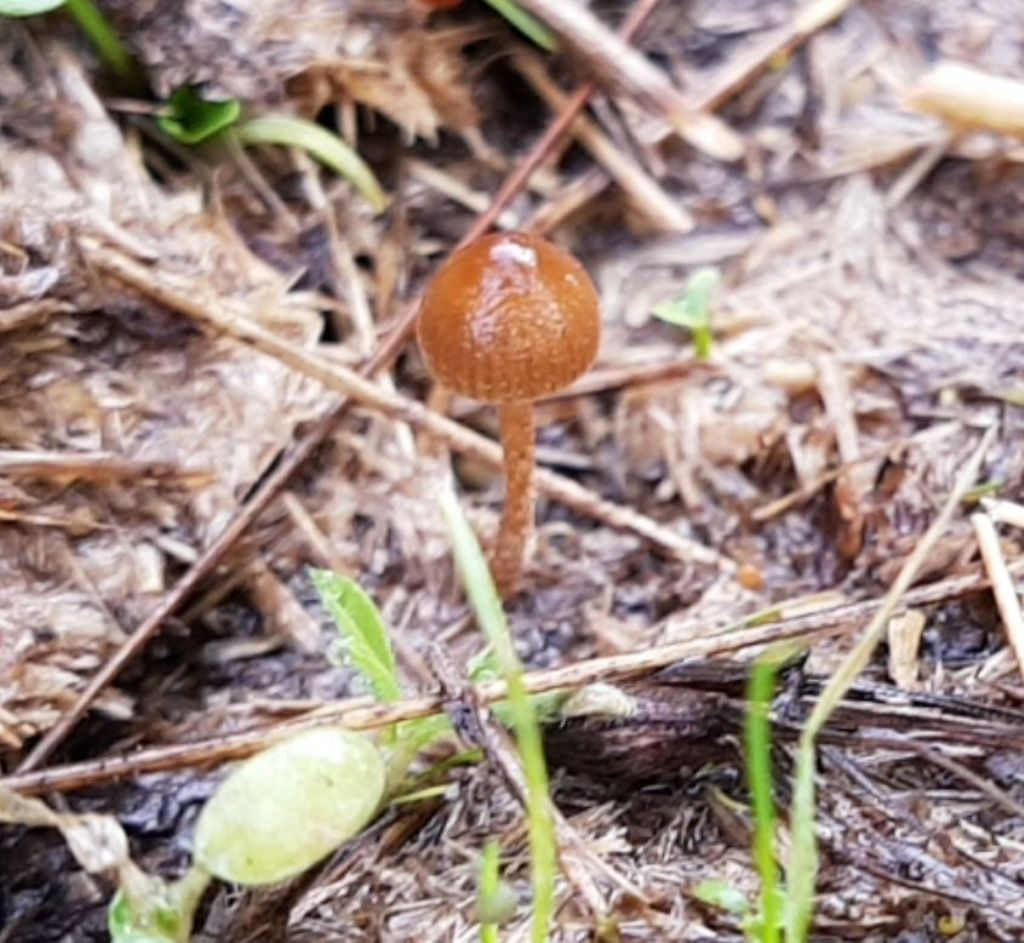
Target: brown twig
[[1007, 600], [94, 466], [729, 82], [623, 65], [297, 456], [605, 379], [735, 76], [359, 715], [644, 191]]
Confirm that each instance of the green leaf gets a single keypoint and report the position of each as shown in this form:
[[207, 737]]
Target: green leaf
[[286, 808], [723, 895], [363, 634], [693, 310], [125, 926], [28, 7], [146, 909], [526, 23], [320, 144], [192, 119], [367, 647], [420, 795]]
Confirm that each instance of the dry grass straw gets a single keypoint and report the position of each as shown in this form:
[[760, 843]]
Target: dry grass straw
[[1007, 600], [969, 99]]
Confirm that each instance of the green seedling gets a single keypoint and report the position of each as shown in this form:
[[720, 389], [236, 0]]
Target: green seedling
[[762, 924], [192, 119], [364, 637], [366, 647], [693, 310], [486, 604]]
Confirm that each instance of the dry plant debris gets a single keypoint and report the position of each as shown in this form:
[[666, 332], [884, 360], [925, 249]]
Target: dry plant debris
[[867, 330]]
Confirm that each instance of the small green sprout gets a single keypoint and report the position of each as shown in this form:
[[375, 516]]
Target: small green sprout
[[763, 924], [367, 648], [693, 310], [363, 635], [192, 119]]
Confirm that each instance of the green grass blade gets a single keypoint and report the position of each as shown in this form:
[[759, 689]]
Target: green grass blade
[[758, 739], [483, 597], [526, 23], [362, 630], [319, 143], [114, 56]]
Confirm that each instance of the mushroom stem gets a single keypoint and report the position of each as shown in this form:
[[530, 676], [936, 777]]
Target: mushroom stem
[[517, 440]]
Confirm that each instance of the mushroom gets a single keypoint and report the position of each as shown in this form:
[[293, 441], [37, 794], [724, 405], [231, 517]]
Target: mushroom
[[509, 319]]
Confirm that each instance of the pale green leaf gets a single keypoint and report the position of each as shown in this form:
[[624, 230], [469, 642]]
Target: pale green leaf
[[363, 634], [28, 7], [320, 144], [286, 808], [723, 895]]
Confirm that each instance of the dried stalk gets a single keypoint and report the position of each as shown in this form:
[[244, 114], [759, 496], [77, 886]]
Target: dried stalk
[[621, 64], [752, 632]]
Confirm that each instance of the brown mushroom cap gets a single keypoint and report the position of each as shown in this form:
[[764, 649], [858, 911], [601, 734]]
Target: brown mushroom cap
[[509, 318]]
